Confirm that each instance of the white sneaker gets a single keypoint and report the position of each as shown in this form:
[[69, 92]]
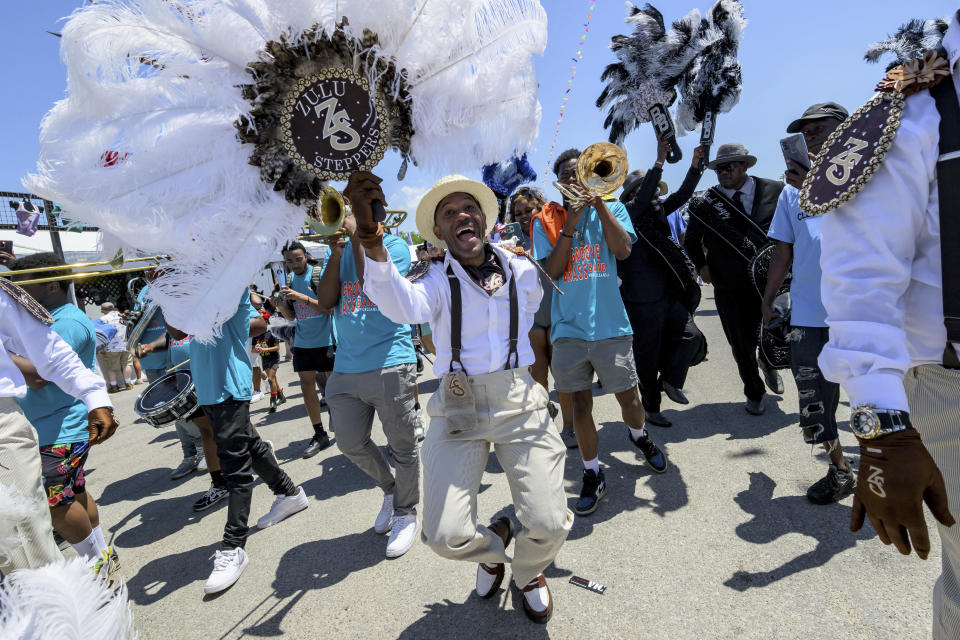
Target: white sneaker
[[202, 463], [402, 535], [284, 507], [385, 518], [227, 568], [257, 397]]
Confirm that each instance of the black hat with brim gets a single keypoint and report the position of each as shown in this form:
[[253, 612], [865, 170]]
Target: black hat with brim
[[819, 111]]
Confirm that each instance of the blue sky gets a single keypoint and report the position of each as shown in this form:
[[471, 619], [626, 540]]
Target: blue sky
[[793, 54]]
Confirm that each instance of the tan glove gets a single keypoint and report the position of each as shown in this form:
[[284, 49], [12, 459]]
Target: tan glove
[[897, 475]]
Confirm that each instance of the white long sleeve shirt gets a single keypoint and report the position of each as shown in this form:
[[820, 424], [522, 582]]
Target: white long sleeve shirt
[[55, 361], [485, 329], [880, 255]]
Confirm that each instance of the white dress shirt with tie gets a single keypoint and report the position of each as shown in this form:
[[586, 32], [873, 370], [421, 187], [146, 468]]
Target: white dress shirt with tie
[[53, 358], [748, 189], [486, 319], [880, 255]]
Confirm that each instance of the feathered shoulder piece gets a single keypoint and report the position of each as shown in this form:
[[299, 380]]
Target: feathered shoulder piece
[[426, 258], [852, 154], [910, 41]]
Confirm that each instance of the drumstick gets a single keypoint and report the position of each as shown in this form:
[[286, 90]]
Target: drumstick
[[178, 366]]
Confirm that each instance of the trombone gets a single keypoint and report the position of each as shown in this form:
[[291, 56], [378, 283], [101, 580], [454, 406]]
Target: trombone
[[601, 170], [83, 275], [326, 217]]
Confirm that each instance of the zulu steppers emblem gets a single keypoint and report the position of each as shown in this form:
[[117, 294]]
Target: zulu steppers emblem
[[332, 126]]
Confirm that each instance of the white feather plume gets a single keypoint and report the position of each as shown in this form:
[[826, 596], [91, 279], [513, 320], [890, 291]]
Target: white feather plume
[[157, 82]]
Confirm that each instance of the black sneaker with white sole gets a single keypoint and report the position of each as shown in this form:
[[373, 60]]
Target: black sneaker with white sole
[[656, 458], [594, 487], [210, 497]]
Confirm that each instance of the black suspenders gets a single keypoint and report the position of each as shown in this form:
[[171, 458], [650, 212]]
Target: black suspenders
[[948, 188], [456, 321]]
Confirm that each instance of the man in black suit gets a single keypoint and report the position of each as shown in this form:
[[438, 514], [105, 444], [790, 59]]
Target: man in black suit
[[650, 287], [726, 268]]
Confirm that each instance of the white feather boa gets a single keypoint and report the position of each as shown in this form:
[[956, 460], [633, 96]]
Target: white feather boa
[[156, 81], [59, 600]]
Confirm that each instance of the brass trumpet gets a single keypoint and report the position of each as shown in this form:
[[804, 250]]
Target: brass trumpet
[[601, 169], [326, 217]]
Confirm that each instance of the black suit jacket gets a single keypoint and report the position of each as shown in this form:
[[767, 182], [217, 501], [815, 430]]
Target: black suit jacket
[[727, 268]]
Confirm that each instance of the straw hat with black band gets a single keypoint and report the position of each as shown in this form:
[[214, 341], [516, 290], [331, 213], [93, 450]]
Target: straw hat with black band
[[426, 210], [732, 152]]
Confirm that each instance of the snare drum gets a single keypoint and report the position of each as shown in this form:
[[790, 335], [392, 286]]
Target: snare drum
[[169, 398]]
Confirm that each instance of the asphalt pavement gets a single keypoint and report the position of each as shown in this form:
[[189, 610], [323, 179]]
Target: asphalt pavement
[[722, 545]]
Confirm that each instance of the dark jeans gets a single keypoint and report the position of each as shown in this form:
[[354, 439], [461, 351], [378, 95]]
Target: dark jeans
[[739, 311], [658, 346], [241, 453], [819, 397]]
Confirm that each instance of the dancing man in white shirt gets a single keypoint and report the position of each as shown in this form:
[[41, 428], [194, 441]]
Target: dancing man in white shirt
[[480, 302], [891, 288], [23, 332]]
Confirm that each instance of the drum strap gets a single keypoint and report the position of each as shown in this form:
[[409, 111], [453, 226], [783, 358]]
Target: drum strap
[[948, 188]]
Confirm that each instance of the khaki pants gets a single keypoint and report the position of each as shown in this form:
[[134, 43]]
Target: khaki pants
[[934, 396], [512, 416], [20, 472]]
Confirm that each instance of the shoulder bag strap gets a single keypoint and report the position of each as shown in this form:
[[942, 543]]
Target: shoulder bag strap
[[948, 188]]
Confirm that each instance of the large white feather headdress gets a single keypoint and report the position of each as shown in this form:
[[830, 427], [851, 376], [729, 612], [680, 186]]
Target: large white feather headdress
[[168, 103]]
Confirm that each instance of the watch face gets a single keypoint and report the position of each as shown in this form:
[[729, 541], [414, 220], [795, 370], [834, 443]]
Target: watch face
[[863, 423]]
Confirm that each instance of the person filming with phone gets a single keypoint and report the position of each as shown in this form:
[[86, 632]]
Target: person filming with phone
[[798, 249]]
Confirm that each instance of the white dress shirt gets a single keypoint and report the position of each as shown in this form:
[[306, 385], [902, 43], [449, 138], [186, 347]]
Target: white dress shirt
[[485, 328], [55, 361], [880, 255], [748, 189]]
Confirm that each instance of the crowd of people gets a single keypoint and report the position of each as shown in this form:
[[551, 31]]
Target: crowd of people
[[601, 292]]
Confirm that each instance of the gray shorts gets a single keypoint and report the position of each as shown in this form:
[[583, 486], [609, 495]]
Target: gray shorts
[[575, 361]]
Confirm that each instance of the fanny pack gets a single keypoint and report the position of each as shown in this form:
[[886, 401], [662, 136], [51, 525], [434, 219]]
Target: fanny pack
[[459, 403]]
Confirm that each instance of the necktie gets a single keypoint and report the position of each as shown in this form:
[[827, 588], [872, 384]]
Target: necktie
[[738, 200]]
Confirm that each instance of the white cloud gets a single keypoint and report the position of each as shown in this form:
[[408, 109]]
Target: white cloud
[[407, 198]]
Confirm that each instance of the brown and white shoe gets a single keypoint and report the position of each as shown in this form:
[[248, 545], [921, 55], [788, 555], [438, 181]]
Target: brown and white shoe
[[537, 601], [490, 576]]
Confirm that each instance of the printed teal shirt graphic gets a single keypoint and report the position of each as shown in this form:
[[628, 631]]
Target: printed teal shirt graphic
[[221, 369], [156, 328], [180, 352], [368, 340], [314, 329], [58, 417], [590, 308]]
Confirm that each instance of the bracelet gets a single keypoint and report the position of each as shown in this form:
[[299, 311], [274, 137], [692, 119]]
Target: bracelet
[[566, 235]]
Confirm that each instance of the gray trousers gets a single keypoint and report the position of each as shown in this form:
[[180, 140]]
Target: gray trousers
[[512, 416], [934, 396], [20, 472], [353, 398]]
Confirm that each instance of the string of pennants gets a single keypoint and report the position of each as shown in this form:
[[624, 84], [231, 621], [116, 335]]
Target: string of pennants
[[566, 93]]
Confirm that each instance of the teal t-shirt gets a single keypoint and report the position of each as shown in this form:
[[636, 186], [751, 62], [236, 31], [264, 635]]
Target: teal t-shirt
[[314, 329], [180, 352], [221, 369], [590, 308], [58, 417], [156, 328], [367, 339]]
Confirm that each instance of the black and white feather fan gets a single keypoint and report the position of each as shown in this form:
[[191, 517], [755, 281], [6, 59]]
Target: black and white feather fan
[[910, 41]]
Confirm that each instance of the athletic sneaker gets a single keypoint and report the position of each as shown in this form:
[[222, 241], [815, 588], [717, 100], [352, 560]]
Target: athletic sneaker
[[280, 397], [202, 463], [656, 458], [594, 487], [833, 487], [228, 566], [256, 397], [210, 497], [385, 518], [569, 438], [106, 565], [402, 535], [283, 507], [186, 466], [273, 403]]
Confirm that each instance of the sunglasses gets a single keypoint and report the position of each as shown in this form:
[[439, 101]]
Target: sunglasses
[[729, 166]]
